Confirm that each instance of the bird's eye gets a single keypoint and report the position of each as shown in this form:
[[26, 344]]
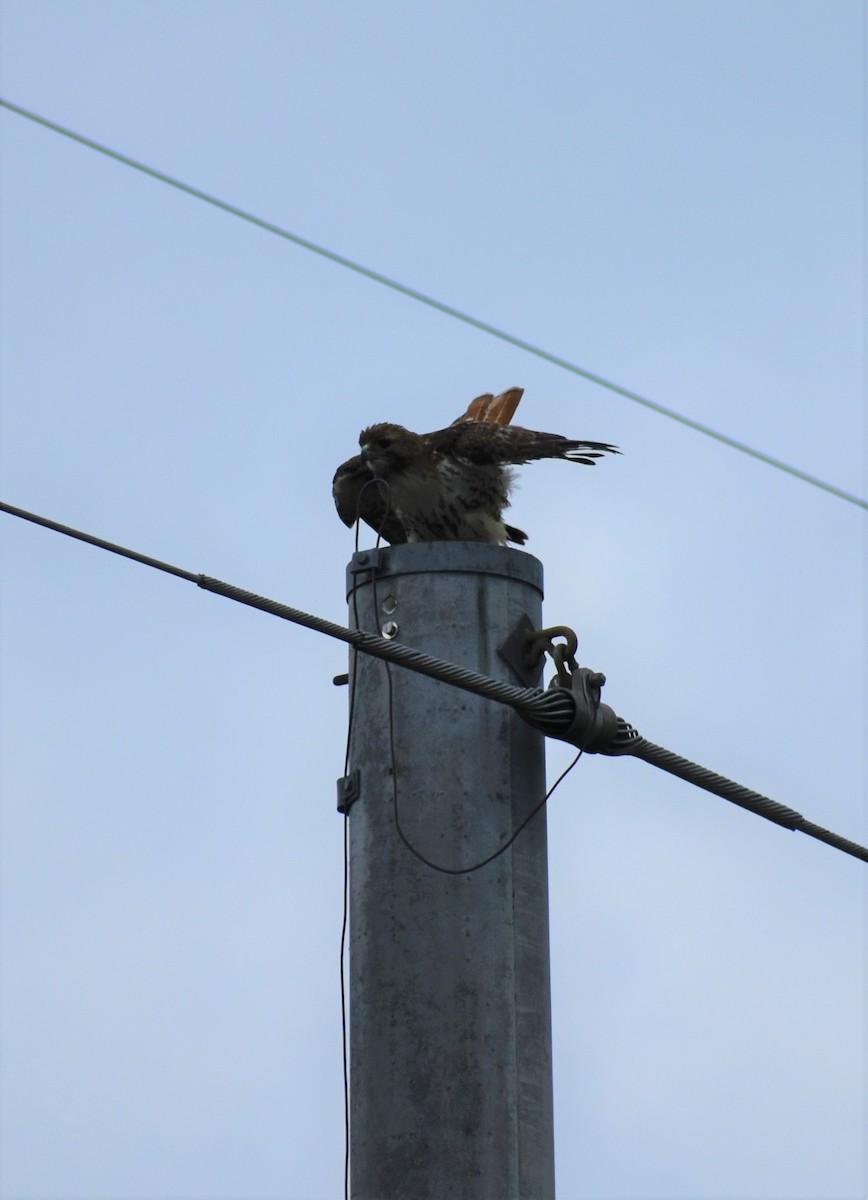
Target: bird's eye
[[383, 443]]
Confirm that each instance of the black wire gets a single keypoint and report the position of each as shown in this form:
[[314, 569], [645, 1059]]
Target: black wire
[[523, 824], [344, 925], [343, 1007], [354, 654], [477, 866], [100, 542], [394, 766], [353, 665], [385, 488]]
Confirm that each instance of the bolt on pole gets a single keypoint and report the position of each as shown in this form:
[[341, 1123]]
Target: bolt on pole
[[450, 1006]]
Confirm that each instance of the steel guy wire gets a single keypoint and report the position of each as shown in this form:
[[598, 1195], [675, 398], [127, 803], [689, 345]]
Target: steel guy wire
[[552, 711], [544, 706]]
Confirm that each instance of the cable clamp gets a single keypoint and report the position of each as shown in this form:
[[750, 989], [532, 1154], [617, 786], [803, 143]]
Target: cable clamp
[[595, 725], [364, 561], [349, 790]]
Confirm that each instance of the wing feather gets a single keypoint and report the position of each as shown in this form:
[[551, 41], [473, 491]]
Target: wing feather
[[483, 444], [481, 438]]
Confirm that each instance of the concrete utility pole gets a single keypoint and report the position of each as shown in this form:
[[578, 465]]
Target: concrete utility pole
[[450, 1009]]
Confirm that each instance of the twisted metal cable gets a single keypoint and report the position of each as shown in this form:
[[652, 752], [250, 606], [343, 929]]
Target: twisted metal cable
[[718, 784], [101, 543], [628, 741], [744, 797], [544, 706], [552, 711]]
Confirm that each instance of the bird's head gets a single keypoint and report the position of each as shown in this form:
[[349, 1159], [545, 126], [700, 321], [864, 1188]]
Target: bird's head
[[388, 448]]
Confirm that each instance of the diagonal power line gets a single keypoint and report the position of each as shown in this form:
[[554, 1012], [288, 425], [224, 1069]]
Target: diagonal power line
[[439, 306], [550, 710]]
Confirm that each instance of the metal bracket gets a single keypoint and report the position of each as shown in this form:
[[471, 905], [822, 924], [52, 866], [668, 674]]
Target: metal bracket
[[349, 790], [595, 725], [368, 560], [521, 654]]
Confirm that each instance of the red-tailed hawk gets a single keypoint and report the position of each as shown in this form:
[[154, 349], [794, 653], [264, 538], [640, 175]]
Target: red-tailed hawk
[[451, 485], [356, 495]]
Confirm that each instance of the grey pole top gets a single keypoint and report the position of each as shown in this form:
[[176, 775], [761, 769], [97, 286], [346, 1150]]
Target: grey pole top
[[456, 557]]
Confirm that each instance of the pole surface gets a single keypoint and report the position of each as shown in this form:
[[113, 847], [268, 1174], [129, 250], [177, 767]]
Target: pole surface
[[450, 1009]]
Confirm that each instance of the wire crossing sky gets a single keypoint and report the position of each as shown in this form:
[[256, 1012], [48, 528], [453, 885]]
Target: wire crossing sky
[[671, 195], [446, 309], [531, 703]]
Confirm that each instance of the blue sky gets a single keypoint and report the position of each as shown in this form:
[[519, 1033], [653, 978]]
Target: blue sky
[[671, 195]]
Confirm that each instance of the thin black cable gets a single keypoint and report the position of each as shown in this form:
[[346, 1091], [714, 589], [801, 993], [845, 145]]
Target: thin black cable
[[343, 1007], [351, 716], [439, 306], [353, 666], [344, 926], [101, 543], [394, 766], [353, 672], [385, 489], [477, 866]]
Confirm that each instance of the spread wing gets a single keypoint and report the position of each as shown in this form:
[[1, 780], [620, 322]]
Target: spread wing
[[483, 444], [353, 497]]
